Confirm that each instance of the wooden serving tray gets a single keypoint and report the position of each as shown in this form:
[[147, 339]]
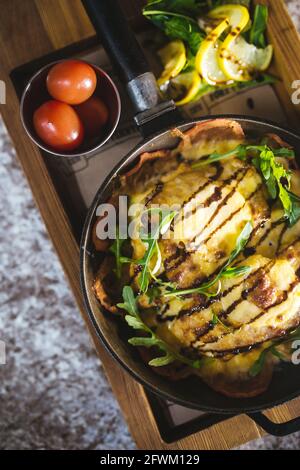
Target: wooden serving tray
[[62, 27]]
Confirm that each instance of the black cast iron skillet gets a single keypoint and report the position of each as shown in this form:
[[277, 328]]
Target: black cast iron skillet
[[152, 116]]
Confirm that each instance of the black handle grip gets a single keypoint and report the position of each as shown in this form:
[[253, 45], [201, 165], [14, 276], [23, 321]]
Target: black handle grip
[[275, 429], [117, 38]]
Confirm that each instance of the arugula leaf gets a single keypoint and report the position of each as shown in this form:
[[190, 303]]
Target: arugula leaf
[[177, 26], [151, 241], [129, 302], [178, 20], [277, 179], [275, 176], [162, 361], [146, 342], [116, 249], [189, 7], [241, 152], [259, 25], [153, 293], [294, 214], [240, 243], [165, 219], [216, 320], [135, 321], [225, 272], [277, 354], [238, 152], [258, 365], [229, 273]]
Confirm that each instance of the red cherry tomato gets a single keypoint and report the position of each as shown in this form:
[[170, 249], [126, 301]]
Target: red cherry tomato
[[71, 81], [94, 115], [58, 125]]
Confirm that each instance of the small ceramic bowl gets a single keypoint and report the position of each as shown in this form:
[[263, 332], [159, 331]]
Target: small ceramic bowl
[[36, 93]]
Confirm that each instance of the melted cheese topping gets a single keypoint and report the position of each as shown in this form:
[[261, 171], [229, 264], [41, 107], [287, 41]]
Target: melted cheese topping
[[217, 201]]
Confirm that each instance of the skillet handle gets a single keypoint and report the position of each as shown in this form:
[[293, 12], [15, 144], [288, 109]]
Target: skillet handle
[[124, 51], [275, 429]]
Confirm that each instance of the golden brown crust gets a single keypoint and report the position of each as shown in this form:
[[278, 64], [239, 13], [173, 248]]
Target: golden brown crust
[[264, 294], [146, 156], [100, 245], [174, 371], [99, 286], [213, 129], [278, 141], [249, 388]]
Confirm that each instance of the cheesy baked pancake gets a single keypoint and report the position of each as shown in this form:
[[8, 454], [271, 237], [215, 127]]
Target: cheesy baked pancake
[[214, 288]]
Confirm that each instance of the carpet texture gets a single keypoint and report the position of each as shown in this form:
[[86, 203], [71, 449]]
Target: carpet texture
[[53, 392]]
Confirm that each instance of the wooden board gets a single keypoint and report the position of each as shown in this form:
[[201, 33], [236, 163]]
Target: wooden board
[[30, 29]]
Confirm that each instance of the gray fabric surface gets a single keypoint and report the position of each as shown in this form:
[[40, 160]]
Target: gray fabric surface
[[53, 393]]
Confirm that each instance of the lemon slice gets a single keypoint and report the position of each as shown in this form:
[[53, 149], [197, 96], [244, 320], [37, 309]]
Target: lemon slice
[[173, 58], [206, 61], [190, 82], [237, 58], [238, 18], [240, 59], [237, 15]]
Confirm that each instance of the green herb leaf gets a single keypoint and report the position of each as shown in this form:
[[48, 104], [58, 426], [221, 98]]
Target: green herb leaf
[[129, 302], [178, 20], [284, 152], [258, 365], [135, 321], [177, 26], [225, 272], [151, 240], [153, 293], [162, 361], [116, 249], [260, 362], [259, 26], [241, 242], [276, 177], [238, 152], [216, 320], [294, 214], [145, 342], [235, 272], [241, 152], [189, 7], [277, 353]]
